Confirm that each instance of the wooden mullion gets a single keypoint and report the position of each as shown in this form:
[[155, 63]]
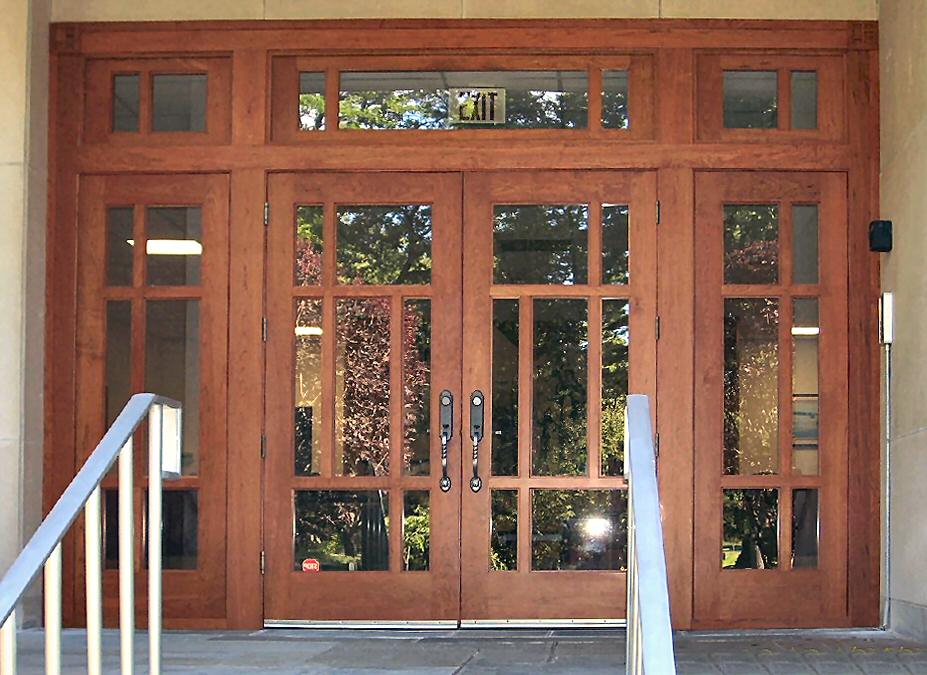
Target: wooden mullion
[[596, 103]]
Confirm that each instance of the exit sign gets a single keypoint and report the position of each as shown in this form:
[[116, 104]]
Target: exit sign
[[477, 105]]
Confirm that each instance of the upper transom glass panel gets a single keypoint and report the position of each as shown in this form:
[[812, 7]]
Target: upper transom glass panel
[[531, 99]]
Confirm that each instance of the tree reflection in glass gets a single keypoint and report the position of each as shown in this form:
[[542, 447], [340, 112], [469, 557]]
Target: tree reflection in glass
[[308, 245], [751, 529], [751, 386], [615, 364], [342, 530], [540, 244], [579, 530], [751, 244], [384, 244], [561, 333]]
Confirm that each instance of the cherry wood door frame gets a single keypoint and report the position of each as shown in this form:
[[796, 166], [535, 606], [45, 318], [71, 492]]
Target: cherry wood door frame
[[392, 594], [525, 593], [784, 596], [674, 152]]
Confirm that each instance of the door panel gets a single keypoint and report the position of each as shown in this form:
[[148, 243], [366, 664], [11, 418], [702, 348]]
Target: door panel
[[363, 307], [770, 404], [552, 291], [153, 306]]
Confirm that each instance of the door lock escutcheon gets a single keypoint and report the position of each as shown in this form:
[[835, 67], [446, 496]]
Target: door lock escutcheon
[[477, 402], [447, 433]]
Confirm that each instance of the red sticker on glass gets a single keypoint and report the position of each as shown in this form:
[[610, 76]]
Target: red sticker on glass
[[311, 565]]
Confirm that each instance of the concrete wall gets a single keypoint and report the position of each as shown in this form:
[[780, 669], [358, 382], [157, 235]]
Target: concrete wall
[[904, 201], [153, 10], [23, 178]]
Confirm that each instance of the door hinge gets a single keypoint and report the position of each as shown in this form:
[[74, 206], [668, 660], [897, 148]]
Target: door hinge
[[658, 212], [263, 329], [267, 213], [657, 327], [656, 445], [263, 446], [262, 562]]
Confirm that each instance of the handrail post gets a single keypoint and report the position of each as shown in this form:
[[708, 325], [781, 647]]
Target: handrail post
[[93, 574], [53, 612], [8, 645], [155, 448], [126, 560]]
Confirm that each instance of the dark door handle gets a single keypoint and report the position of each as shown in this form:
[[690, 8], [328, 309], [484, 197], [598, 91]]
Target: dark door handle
[[447, 433], [477, 401]]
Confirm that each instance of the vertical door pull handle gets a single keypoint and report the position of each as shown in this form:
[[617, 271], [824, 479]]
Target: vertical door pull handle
[[477, 401], [447, 433]]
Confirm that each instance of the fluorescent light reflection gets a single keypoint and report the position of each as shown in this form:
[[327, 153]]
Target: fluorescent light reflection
[[805, 331], [308, 331], [171, 246]]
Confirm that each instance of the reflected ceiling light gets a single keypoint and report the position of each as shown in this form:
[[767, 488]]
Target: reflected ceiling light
[[171, 246], [596, 527], [806, 330], [308, 331]]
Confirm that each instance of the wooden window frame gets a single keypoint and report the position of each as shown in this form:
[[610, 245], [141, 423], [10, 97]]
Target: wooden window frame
[[830, 92], [98, 100], [285, 91]]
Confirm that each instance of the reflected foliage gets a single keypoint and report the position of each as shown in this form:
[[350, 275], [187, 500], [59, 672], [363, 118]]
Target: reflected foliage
[[344, 531], [615, 245], [615, 99], [384, 244], [751, 529], [751, 393], [503, 550], [615, 369], [416, 386], [579, 530], [750, 99], [560, 381], [505, 388], [751, 244], [309, 246], [540, 244], [416, 531]]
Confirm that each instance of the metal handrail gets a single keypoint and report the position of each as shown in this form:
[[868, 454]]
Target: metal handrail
[[83, 494], [650, 633]]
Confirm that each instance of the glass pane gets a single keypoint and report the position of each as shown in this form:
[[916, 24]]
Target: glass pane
[[540, 244], [561, 333], [615, 249], [307, 386], [804, 99], [419, 100], [179, 103], [805, 419], [119, 243], [384, 244], [416, 389], [341, 531], [175, 245], [416, 530], [804, 528], [615, 368], [125, 103], [118, 357], [805, 244], [751, 244], [312, 101], [751, 529], [579, 530], [308, 248], [751, 386], [615, 99], [172, 365], [505, 387], [111, 529], [750, 99], [362, 391], [503, 553], [180, 529]]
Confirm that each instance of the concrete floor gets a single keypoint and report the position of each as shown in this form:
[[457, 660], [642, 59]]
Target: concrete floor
[[278, 651]]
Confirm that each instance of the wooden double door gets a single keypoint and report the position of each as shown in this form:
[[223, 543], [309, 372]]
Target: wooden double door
[[447, 360]]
